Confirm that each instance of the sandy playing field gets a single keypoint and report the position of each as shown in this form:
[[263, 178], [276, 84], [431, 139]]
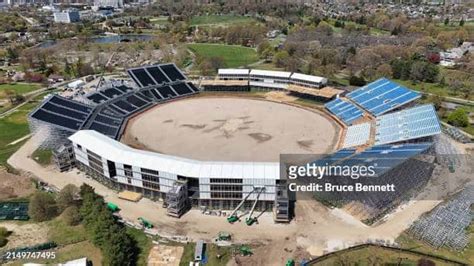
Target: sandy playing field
[[231, 129]]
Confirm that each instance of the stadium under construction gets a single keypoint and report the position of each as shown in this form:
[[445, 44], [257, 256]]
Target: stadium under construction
[[381, 123]]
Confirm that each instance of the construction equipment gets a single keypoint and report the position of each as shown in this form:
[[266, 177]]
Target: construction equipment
[[145, 223], [245, 250], [251, 220], [223, 236], [233, 215], [290, 262], [112, 207]]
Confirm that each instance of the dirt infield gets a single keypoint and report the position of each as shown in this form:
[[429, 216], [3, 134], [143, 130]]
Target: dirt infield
[[231, 129]]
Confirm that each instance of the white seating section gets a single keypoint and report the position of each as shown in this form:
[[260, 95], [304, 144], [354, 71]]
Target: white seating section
[[413, 123], [357, 135]]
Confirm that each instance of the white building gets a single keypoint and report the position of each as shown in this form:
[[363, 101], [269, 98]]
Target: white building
[[67, 16], [233, 74], [308, 80], [269, 79], [108, 3], [216, 183]]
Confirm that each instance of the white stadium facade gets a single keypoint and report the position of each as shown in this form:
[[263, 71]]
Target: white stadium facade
[[84, 133]]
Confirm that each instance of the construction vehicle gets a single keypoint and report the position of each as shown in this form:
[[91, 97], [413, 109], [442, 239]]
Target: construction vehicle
[[233, 215], [145, 223], [290, 262], [223, 236], [112, 207], [245, 250], [251, 220]]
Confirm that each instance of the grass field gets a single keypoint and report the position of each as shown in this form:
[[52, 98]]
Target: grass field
[[233, 55], [467, 256], [144, 244], [42, 156], [63, 234], [19, 88], [219, 20], [373, 255], [13, 127], [215, 255], [71, 252]]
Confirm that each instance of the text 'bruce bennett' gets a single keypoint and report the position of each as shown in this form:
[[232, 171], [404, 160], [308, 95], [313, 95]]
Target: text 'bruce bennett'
[[328, 187]]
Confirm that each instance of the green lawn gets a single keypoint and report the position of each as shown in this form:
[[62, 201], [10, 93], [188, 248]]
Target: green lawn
[[407, 242], [63, 234], [71, 252], [433, 88], [219, 20], [233, 55], [144, 244], [19, 88], [13, 127], [373, 255], [42, 156], [216, 255]]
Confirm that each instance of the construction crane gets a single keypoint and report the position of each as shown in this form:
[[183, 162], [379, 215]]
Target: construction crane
[[101, 78], [233, 217], [250, 220]]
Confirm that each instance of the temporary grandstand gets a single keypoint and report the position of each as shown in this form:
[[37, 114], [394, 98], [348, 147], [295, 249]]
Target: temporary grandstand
[[357, 135], [345, 110], [236, 79], [414, 123], [393, 164], [382, 96], [107, 110]]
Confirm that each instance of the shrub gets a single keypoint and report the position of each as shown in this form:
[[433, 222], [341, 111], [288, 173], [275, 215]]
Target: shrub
[[458, 118], [42, 207], [71, 216]]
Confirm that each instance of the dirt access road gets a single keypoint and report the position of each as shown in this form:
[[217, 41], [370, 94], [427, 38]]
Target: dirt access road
[[315, 229]]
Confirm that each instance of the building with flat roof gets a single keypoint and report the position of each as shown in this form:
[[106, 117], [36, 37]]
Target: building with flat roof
[[67, 16]]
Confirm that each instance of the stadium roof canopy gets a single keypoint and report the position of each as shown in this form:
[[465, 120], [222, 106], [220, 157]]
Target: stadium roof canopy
[[413, 123], [66, 114], [344, 110], [309, 78], [154, 75], [233, 71], [121, 153], [382, 96], [270, 73]]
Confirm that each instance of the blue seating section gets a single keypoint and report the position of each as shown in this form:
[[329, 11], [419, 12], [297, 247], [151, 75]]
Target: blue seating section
[[344, 110], [382, 96], [381, 157], [413, 123]]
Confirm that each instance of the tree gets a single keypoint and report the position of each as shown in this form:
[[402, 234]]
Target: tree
[[446, 21], [71, 216], [4, 233], [280, 58], [357, 81], [461, 22], [42, 207], [425, 262], [458, 118], [67, 197]]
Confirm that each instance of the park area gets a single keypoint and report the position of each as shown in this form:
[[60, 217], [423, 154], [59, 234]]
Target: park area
[[220, 20], [231, 55]]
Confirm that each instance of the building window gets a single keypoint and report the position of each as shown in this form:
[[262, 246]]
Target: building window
[[127, 169], [112, 169]]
